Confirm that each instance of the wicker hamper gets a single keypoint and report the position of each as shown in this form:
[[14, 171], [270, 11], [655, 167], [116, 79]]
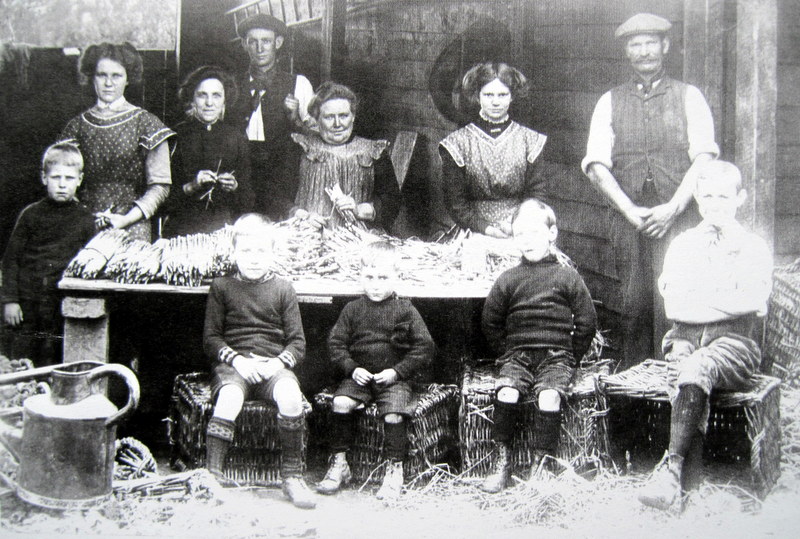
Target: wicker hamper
[[743, 427], [431, 433], [254, 457], [782, 333], [584, 435]]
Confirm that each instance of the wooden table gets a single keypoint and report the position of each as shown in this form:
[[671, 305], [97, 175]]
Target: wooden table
[[85, 307]]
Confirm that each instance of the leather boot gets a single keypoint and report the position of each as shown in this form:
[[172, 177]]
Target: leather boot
[[338, 474], [219, 435], [664, 488], [500, 473], [392, 481], [291, 431]]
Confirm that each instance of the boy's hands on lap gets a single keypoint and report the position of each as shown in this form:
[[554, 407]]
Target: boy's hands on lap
[[267, 366], [12, 314], [247, 367], [385, 377], [362, 376]]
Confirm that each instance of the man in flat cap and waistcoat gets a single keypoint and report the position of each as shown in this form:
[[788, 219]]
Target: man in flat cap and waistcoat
[[646, 138], [272, 104]]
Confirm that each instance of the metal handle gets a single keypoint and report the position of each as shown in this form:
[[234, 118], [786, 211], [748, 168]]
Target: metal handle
[[132, 383]]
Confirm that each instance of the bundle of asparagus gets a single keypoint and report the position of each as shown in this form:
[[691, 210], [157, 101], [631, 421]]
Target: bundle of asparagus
[[191, 260], [91, 260], [138, 262]]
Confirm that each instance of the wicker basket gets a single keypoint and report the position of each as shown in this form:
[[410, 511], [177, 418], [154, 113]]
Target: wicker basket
[[782, 334], [743, 427], [431, 433], [254, 458], [584, 431]]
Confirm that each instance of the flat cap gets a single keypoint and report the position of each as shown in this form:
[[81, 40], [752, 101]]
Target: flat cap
[[643, 23], [261, 20]]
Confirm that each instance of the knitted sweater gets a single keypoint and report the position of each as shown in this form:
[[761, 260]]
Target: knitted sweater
[[46, 237], [539, 305], [380, 335], [262, 318]]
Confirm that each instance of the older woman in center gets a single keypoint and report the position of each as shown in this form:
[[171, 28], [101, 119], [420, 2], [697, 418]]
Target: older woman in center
[[488, 166], [127, 172], [367, 188], [211, 162]]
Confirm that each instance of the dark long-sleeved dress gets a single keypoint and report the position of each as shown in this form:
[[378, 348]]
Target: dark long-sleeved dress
[[487, 174], [218, 148]]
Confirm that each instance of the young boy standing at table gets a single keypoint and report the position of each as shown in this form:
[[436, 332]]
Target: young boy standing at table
[[254, 337], [716, 281], [48, 233], [540, 317], [379, 342]]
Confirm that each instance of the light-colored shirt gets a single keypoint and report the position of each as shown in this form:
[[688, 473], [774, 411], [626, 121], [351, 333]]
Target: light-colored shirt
[[699, 127], [303, 91], [713, 274]]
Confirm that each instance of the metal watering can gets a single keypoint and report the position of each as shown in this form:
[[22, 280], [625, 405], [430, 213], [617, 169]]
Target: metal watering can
[[67, 454]]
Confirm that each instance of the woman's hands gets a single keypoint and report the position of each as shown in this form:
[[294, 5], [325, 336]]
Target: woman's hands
[[108, 219], [207, 180], [314, 219], [227, 182], [364, 211], [501, 231]]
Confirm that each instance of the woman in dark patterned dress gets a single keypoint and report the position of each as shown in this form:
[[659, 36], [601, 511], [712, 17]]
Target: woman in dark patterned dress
[[211, 162], [488, 166], [360, 167], [127, 171]]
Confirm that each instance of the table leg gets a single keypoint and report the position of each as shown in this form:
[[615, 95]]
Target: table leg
[[85, 329]]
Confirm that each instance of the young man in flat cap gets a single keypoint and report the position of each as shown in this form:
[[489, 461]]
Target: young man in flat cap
[[646, 138], [272, 104]]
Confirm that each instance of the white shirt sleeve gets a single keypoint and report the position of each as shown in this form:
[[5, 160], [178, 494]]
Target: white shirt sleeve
[[601, 135], [304, 92], [699, 124]]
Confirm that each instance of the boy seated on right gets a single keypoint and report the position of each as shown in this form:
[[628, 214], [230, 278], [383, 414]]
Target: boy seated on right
[[378, 342], [716, 282]]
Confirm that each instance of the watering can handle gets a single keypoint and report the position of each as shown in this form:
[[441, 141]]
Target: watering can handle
[[132, 383]]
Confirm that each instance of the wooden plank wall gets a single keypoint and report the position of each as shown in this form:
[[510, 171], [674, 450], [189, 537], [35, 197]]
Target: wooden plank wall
[[787, 188], [571, 57]]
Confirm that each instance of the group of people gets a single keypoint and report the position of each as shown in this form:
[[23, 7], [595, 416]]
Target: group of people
[[650, 152]]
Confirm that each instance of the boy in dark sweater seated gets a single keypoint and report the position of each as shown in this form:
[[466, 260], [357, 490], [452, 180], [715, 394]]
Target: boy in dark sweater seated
[[254, 337], [379, 342], [48, 233], [540, 317]]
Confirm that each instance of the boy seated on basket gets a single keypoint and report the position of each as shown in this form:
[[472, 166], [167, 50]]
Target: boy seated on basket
[[378, 342], [716, 281], [46, 236], [540, 317], [254, 337]]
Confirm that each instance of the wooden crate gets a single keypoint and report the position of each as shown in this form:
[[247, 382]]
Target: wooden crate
[[584, 431], [431, 433], [743, 428], [782, 332], [254, 457]]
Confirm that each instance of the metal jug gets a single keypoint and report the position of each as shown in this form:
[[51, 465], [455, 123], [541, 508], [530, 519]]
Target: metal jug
[[67, 457]]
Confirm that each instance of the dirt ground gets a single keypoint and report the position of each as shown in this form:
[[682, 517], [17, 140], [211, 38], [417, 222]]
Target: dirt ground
[[563, 506]]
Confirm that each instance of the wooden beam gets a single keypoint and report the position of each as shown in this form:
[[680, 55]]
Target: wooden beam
[[703, 49], [756, 104], [334, 19]]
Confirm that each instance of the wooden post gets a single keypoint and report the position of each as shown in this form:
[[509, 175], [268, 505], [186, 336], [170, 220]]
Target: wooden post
[[334, 19], [756, 104], [85, 329], [703, 49]]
